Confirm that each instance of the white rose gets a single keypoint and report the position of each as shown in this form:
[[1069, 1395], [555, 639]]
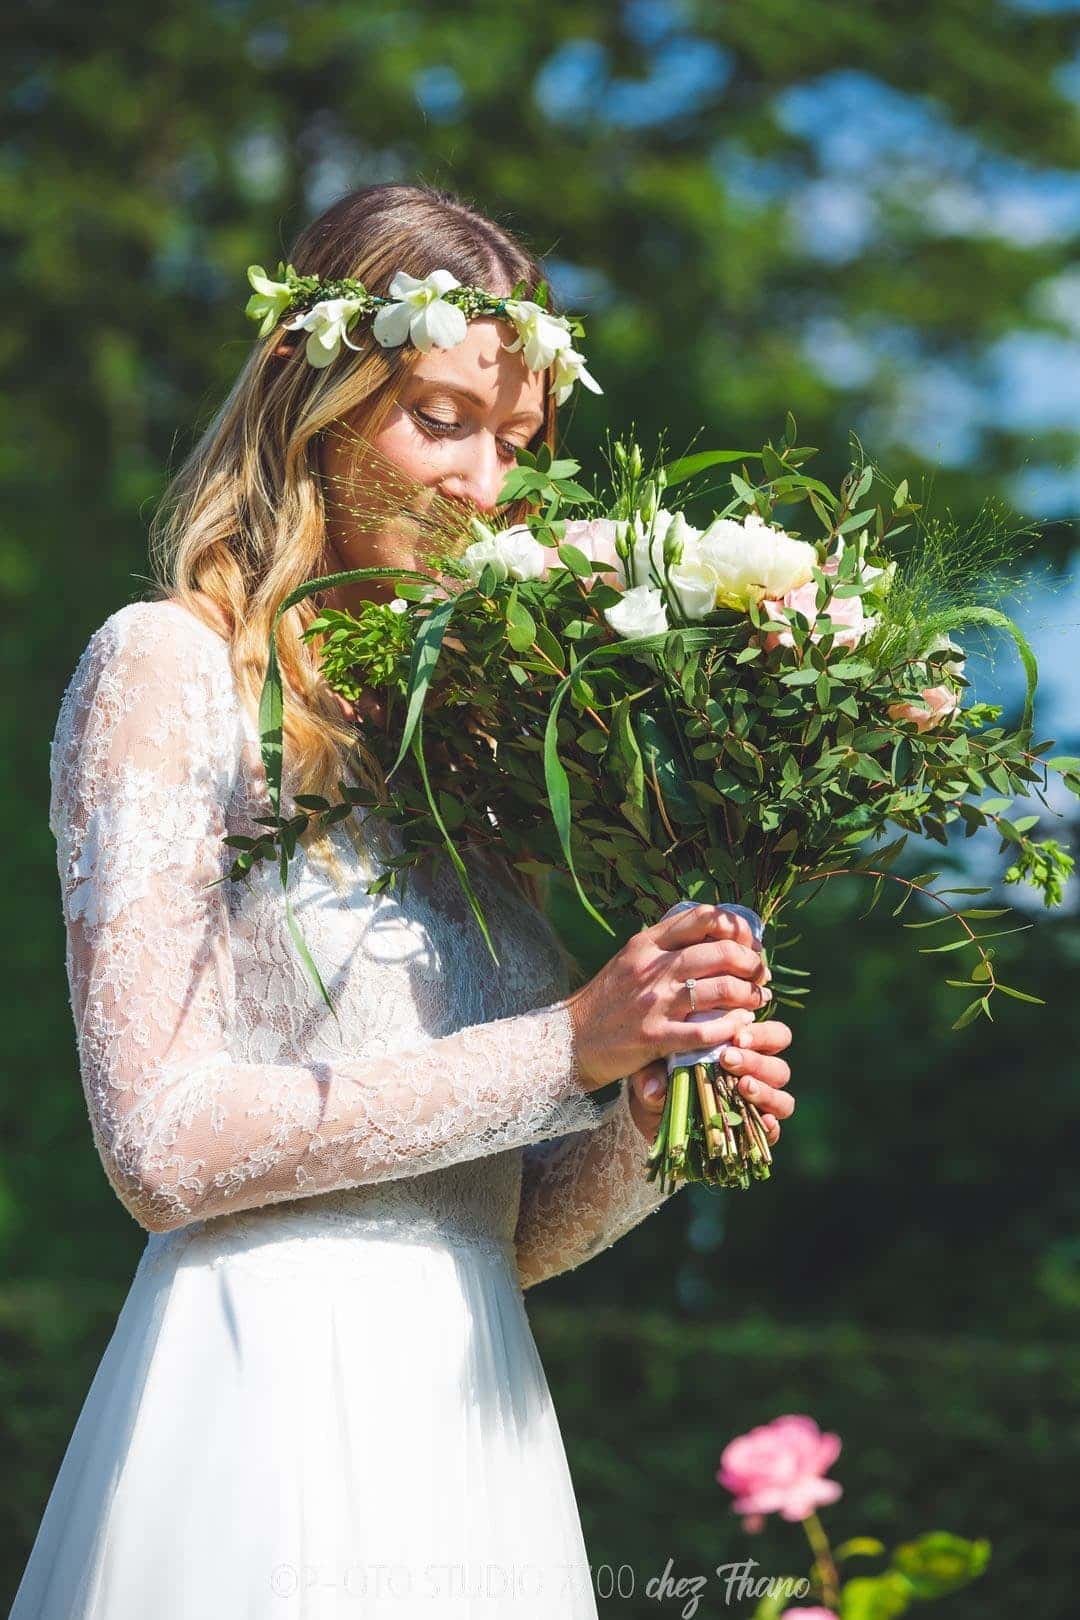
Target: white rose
[[513, 553], [523, 555], [421, 313], [752, 560], [649, 540], [694, 586], [638, 612]]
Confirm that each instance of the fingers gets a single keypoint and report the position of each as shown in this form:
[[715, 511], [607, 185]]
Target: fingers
[[710, 960], [772, 1128], [780, 1103], [697, 923], [648, 1093], [712, 995], [650, 1085], [763, 1035], [692, 1037], [772, 1071]]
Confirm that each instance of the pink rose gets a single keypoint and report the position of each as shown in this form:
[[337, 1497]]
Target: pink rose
[[938, 702], [778, 1468], [814, 1613], [843, 610], [596, 538]]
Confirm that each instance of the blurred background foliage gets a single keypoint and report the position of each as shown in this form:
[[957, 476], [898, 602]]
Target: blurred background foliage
[[866, 214]]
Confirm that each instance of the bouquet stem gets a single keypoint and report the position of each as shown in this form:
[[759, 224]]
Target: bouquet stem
[[708, 1131]]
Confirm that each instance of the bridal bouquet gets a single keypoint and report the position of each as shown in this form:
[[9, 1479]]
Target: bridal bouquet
[[669, 713]]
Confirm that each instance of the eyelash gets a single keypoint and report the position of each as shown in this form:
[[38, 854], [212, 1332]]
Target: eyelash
[[440, 428]]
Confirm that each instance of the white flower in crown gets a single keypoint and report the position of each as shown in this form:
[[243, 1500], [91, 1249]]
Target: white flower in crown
[[325, 322], [420, 313], [569, 369], [539, 333]]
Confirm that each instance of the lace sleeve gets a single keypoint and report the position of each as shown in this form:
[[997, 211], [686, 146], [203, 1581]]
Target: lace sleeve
[[580, 1194], [144, 759]]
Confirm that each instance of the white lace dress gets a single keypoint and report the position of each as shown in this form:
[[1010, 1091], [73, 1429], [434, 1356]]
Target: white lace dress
[[322, 1397]]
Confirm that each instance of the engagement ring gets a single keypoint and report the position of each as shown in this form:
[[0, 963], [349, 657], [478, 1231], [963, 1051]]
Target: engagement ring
[[691, 985]]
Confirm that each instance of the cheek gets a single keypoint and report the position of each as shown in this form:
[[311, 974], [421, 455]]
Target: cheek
[[409, 448]]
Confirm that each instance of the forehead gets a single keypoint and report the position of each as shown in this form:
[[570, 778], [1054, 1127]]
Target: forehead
[[481, 364]]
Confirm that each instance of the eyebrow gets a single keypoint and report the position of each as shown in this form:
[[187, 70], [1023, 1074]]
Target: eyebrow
[[474, 398]]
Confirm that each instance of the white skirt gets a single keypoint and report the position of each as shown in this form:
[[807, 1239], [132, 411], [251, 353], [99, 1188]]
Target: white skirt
[[339, 1424]]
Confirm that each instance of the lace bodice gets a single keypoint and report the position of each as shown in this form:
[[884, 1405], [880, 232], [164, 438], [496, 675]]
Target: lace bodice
[[219, 1087]]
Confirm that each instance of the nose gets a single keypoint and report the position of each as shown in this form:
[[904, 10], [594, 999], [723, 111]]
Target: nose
[[478, 477]]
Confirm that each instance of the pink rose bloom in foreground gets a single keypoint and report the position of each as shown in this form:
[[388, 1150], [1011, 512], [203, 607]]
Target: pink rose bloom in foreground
[[843, 610], [938, 703], [596, 538], [815, 1613], [778, 1468]]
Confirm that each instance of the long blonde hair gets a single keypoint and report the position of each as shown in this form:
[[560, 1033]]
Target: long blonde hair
[[243, 521]]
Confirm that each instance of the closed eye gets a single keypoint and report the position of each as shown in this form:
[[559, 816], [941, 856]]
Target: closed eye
[[439, 428]]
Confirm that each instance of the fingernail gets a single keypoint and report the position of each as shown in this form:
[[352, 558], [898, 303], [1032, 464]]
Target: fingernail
[[766, 993], [654, 1090], [749, 1088], [732, 1057]]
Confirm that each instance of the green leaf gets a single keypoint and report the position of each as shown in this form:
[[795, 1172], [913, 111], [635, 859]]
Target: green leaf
[[938, 1563], [271, 712], [662, 760], [451, 848], [624, 759], [875, 1597], [425, 656], [576, 561], [687, 466], [306, 957], [856, 520], [971, 1012], [1020, 995], [520, 625], [859, 1547]]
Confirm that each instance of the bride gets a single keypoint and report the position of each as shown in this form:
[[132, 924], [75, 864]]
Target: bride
[[322, 1396]]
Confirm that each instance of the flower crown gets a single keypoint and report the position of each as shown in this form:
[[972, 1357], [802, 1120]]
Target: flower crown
[[432, 312]]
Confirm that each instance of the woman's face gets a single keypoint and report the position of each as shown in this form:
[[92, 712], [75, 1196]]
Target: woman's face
[[461, 415]]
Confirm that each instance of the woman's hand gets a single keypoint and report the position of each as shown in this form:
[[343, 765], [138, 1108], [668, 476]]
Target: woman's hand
[[637, 1007], [761, 1075]]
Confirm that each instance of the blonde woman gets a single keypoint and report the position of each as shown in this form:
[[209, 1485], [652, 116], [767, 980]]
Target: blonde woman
[[322, 1396]]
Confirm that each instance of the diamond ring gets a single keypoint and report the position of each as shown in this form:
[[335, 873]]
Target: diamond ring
[[691, 985]]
